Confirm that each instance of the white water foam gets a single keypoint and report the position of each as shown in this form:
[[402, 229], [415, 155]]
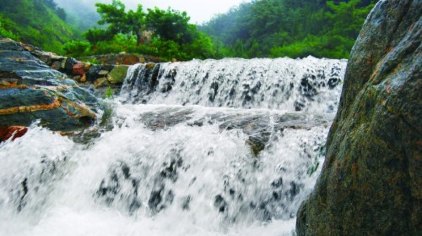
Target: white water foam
[[167, 170], [308, 84]]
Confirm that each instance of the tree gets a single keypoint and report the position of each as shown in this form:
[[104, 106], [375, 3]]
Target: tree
[[61, 13], [170, 25], [347, 17], [169, 34], [96, 35], [295, 28], [119, 21]]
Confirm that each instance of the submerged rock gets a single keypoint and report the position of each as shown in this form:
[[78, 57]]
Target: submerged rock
[[258, 126], [30, 90], [371, 182]]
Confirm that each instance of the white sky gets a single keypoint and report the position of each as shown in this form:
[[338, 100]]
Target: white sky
[[200, 11]]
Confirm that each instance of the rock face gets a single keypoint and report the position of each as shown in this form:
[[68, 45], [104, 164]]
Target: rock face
[[371, 183], [110, 73], [30, 90]]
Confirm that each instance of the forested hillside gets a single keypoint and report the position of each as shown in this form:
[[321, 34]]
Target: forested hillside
[[80, 13], [293, 28], [260, 28], [38, 22]]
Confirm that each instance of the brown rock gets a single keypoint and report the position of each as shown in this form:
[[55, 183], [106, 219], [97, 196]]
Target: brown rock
[[103, 73], [12, 132], [87, 65], [100, 82], [78, 69], [83, 78], [130, 59]]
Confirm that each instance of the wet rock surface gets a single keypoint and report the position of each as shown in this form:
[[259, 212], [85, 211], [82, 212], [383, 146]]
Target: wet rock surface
[[30, 90], [12, 132], [259, 127], [109, 73], [372, 177]]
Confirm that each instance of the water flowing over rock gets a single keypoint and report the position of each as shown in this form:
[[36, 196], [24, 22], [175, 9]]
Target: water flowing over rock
[[258, 83], [30, 90], [214, 147], [372, 177]]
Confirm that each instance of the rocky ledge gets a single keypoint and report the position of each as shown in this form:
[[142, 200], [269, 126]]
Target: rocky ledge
[[30, 90], [110, 72], [371, 182]]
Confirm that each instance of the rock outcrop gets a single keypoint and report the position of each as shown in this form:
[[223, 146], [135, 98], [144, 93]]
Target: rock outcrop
[[121, 59], [110, 73], [30, 90], [371, 182]]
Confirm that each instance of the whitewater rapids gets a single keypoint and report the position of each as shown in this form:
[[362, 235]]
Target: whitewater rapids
[[189, 149]]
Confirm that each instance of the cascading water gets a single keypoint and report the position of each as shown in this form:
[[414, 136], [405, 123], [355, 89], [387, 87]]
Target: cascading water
[[309, 84], [215, 147]]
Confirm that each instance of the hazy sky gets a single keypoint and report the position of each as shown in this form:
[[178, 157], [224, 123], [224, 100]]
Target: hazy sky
[[199, 10]]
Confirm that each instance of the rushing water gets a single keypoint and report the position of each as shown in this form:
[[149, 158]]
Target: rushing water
[[228, 147]]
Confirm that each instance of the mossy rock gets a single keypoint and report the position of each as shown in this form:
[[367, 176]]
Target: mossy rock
[[118, 74]]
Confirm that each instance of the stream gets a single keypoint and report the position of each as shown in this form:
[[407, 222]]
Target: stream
[[213, 147]]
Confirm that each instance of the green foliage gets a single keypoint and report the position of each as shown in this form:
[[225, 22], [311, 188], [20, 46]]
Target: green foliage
[[170, 25], [96, 35], [76, 48], [38, 22], [119, 21], [262, 28], [322, 46], [6, 28], [108, 94], [166, 34]]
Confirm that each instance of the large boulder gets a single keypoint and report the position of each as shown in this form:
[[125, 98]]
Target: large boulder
[[30, 90], [371, 182]]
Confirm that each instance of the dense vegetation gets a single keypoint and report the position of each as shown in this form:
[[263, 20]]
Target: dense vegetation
[[291, 28], [260, 28], [38, 22], [163, 33]]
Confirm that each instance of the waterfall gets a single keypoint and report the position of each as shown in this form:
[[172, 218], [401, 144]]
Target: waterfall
[[214, 147], [284, 84]]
